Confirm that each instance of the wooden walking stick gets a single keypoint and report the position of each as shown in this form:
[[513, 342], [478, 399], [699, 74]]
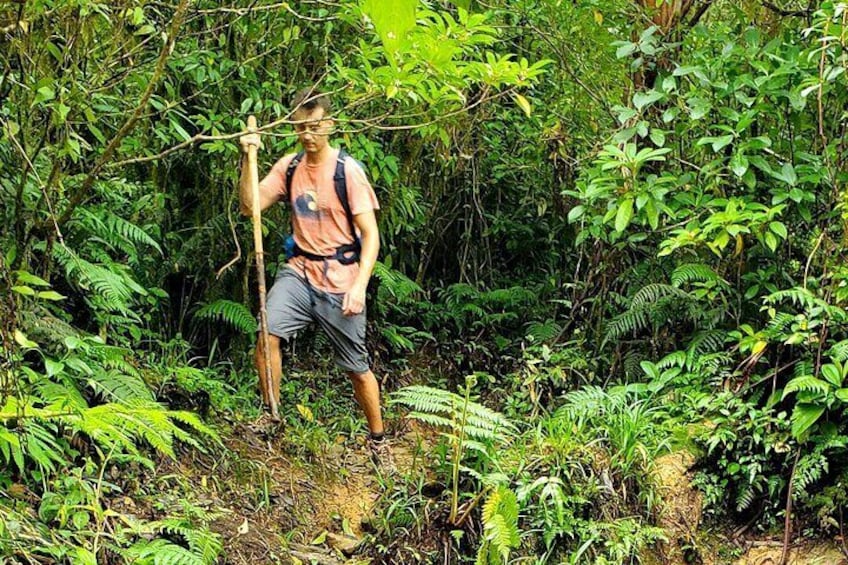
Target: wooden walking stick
[[253, 179]]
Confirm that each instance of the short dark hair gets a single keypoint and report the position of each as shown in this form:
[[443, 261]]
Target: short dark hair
[[308, 99]]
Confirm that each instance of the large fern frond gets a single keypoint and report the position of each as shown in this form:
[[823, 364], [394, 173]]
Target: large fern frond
[[235, 314], [693, 272], [444, 409]]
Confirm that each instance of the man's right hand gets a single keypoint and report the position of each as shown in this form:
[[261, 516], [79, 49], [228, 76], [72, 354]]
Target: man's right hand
[[249, 139]]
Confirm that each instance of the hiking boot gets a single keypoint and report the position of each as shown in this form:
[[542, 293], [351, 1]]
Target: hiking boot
[[381, 456], [265, 424]]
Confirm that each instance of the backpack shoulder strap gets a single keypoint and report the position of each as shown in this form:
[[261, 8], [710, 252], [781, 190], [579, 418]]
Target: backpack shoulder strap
[[340, 183], [290, 171]]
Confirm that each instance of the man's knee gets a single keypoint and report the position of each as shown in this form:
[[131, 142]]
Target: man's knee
[[358, 377], [273, 343]]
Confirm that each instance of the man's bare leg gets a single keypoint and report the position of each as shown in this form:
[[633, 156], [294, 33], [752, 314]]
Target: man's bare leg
[[367, 394], [276, 368]]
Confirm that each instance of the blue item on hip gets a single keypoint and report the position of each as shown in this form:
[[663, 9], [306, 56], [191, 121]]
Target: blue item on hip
[[288, 247]]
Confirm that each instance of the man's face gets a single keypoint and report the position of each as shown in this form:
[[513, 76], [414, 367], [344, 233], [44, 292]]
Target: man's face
[[312, 129]]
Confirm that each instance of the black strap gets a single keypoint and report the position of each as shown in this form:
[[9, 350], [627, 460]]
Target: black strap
[[345, 254]]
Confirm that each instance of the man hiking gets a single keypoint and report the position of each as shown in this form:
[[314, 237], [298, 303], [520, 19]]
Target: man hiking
[[333, 250]]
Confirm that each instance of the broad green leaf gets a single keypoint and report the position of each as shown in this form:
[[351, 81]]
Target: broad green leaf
[[625, 49], [624, 214], [771, 241], [739, 164], [50, 295], [787, 174], [831, 374], [393, 20], [721, 142], [24, 290], [43, 94], [22, 340], [643, 99], [29, 278], [575, 214], [803, 417], [779, 228], [651, 370]]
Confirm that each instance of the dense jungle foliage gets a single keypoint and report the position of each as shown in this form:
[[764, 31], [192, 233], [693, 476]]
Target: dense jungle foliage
[[611, 230]]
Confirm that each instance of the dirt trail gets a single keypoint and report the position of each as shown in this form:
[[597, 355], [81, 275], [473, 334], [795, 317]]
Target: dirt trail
[[278, 509]]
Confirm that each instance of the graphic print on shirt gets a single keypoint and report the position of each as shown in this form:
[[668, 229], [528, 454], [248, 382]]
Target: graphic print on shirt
[[306, 205]]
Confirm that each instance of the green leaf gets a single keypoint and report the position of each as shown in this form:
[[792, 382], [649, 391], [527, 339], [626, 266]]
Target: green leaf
[[803, 417], [625, 49], [624, 214], [780, 229], [24, 341], [771, 241], [29, 278], [393, 20], [787, 174], [575, 214], [739, 164], [50, 295], [651, 370], [43, 94], [523, 104], [24, 290], [831, 374], [643, 99], [842, 394], [722, 141]]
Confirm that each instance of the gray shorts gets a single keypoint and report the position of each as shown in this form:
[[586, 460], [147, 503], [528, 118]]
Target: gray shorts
[[292, 304]]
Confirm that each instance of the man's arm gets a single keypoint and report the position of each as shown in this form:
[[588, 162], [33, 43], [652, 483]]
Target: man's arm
[[267, 194], [354, 300]]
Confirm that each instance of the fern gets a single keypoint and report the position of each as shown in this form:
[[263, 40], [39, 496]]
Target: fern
[[234, 313], [161, 552], [810, 469], [400, 287], [745, 498], [839, 351], [204, 544], [442, 408], [652, 304], [702, 343], [653, 293], [806, 383], [116, 386], [543, 331], [102, 224], [500, 527], [111, 286], [813, 305], [694, 272]]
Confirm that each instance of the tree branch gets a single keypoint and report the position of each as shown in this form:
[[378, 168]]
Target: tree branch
[[82, 191]]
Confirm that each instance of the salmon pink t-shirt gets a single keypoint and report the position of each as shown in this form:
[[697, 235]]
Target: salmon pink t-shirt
[[319, 222]]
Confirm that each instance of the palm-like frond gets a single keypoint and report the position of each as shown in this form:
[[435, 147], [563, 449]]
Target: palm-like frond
[[235, 314]]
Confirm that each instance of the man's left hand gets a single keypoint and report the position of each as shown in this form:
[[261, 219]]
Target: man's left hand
[[354, 301]]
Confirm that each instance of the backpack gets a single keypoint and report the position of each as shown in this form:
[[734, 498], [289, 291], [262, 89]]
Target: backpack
[[345, 254]]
